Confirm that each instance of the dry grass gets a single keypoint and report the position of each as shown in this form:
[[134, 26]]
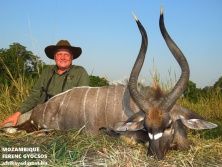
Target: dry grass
[[73, 149]]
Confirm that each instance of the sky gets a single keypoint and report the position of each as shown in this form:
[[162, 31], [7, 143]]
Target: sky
[[109, 37]]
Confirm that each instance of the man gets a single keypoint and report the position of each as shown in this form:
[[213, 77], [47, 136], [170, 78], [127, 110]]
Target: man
[[55, 78]]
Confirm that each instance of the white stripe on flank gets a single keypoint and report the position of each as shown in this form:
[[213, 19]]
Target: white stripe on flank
[[123, 105], [60, 108], [62, 102], [43, 114], [68, 101], [84, 103], [114, 110], [97, 96], [107, 95], [60, 94], [71, 90]]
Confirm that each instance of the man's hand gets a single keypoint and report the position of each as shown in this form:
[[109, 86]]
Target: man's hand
[[13, 118]]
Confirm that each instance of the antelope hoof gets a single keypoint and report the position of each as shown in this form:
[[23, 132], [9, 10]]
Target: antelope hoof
[[11, 130]]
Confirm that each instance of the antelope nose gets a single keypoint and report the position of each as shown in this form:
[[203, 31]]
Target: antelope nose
[[159, 154]]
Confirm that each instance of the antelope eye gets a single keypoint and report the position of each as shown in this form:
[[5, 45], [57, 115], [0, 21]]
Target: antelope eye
[[147, 129]]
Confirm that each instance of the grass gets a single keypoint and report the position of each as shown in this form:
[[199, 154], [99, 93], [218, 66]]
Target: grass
[[71, 148]]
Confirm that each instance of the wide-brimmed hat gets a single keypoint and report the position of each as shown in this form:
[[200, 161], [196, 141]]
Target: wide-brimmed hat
[[62, 44]]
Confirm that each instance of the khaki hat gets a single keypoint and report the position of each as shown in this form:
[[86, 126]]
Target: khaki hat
[[62, 44]]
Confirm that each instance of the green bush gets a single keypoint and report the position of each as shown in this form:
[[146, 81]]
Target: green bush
[[96, 81]]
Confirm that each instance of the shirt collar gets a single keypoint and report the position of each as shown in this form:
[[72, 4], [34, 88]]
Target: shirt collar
[[55, 69]]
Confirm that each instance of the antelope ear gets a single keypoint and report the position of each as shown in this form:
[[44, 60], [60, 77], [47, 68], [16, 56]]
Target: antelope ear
[[133, 123], [198, 124], [190, 119], [131, 126]]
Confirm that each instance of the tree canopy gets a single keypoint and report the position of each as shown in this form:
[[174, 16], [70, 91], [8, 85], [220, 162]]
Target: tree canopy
[[218, 84], [17, 60]]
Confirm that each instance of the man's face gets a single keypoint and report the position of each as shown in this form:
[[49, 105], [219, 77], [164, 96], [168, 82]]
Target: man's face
[[63, 59]]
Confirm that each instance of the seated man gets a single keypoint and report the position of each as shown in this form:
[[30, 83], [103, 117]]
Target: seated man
[[54, 78]]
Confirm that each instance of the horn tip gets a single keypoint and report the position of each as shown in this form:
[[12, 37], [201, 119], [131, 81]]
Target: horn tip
[[161, 10], [135, 17]]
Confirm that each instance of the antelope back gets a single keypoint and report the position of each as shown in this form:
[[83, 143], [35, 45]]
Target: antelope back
[[91, 106]]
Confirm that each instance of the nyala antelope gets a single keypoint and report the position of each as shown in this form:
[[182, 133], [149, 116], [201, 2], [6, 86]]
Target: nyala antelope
[[160, 122]]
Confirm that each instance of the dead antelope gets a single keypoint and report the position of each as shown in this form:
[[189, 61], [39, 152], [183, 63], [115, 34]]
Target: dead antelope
[[161, 122], [92, 107]]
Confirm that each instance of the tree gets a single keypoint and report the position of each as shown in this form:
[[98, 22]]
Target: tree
[[96, 81], [192, 92], [17, 60], [218, 84]]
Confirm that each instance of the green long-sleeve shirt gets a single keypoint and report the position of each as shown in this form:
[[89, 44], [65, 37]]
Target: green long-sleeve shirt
[[76, 76]]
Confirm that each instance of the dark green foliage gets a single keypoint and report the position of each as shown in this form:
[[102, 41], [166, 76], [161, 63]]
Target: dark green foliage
[[194, 94], [218, 84], [16, 60], [96, 81]]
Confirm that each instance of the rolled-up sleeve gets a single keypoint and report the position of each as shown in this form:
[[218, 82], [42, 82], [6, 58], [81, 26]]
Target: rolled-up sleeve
[[35, 97]]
